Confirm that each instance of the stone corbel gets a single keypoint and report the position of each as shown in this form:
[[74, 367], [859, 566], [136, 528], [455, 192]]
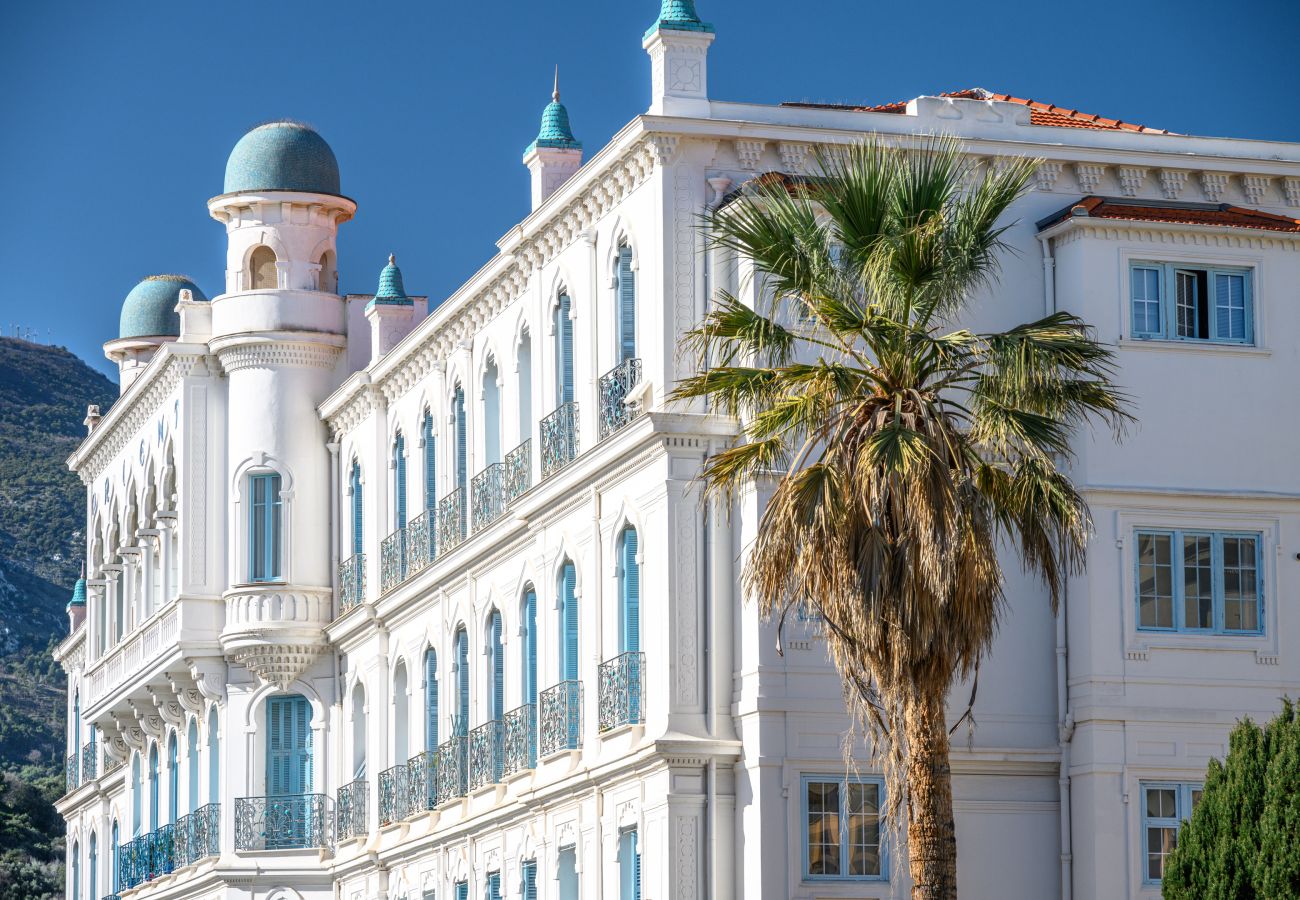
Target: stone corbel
[[187, 695], [209, 677], [132, 736], [147, 718], [169, 709]]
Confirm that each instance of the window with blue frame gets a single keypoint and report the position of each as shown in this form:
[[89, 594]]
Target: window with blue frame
[[528, 879], [1175, 302], [1165, 807], [264, 527], [629, 866], [462, 890], [493, 891], [842, 828], [566, 873], [1199, 582]]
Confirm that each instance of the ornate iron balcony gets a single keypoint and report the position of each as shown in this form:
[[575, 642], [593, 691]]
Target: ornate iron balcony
[[519, 470], [133, 863], [89, 761], [614, 386], [421, 782], [620, 681], [451, 520], [392, 794], [162, 851], [453, 768], [488, 491], [561, 719], [350, 810], [291, 822], [352, 582], [71, 772], [197, 835], [420, 534], [485, 754], [392, 561], [559, 438], [519, 740]]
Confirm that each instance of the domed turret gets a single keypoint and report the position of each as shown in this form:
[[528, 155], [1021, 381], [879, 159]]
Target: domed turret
[[282, 156], [391, 290], [680, 15], [150, 308], [556, 154]]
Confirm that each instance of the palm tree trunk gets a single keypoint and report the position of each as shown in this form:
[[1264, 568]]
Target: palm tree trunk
[[931, 838]]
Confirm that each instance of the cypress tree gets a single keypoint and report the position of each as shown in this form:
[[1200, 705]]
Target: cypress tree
[[1277, 865]]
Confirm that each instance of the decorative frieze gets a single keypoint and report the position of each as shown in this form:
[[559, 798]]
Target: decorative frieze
[[1172, 182], [794, 156], [749, 153], [1213, 185], [1291, 189], [1255, 188], [1047, 174], [1131, 179], [1089, 176]]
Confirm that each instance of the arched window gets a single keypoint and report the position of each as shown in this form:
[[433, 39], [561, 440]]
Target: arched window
[[153, 788], [491, 415], [401, 713], [328, 279], [358, 732], [214, 759], [563, 350], [261, 270], [116, 876], [528, 635], [399, 482], [629, 593], [264, 526], [462, 459], [288, 751], [92, 870], [192, 757], [430, 699], [75, 738], [76, 871], [430, 462], [496, 668], [568, 606], [461, 725], [525, 387], [173, 780], [137, 796], [625, 295], [358, 510]]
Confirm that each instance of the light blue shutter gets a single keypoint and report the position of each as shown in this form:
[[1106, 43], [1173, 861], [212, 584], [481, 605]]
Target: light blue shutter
[[1230, 312], [76, 722], [462, 682], [358, 511], [430, 478], [76, 871], [214, 759], [461, 456], [529, 887], [564, 341], [173, 781], [94, 866], [117, 858], [431, 699], [568, 624], [567, 873], [153, 788], [530, 646], [494, 886], [626, 305], [636, 878], [630, 625], [462, 890], [137, 799], [399, 481], [192, 749], [288, 746], [498, 670]]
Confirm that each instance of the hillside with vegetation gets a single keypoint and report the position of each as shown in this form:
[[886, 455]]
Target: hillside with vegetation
[[44, 392]]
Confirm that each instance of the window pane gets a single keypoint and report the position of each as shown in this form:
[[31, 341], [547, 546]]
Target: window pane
[[1155, 581], [1240, 584], [1188, 301], [1146, 301], [823, 828], [864, 829], [1162, 803], [1198, 581], [1230, 306]]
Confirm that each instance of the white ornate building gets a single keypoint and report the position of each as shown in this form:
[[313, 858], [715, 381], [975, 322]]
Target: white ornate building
[[363, 615]]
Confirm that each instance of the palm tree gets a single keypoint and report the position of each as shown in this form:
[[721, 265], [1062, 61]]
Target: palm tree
[[903, 451]]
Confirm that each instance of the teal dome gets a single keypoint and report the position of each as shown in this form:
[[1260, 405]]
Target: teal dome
[[555, 132], [679, 15], [282, 156], [391, 291], [78, 593], [150, 309]]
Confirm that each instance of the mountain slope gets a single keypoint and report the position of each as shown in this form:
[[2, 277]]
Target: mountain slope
[[44, 392]]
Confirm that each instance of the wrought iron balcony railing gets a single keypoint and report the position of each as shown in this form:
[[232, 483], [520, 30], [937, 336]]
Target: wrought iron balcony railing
[[352, 582], [197, 835], [485, 754], [559, 438], [392, 794], [392, 561], [350, 810], [614, 386], [620, 680], [89, 761], [519, 470], [451, 520], [560, 727], [453, 768], [488, 492], [420, 542], [290, 822], [421, 782], [71, 772], [162, 851], [133, 863], [519, 740]]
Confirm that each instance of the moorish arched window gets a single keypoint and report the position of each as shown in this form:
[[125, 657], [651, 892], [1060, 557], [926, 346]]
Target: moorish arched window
[[625, 297], [629, 593], [261, 270]]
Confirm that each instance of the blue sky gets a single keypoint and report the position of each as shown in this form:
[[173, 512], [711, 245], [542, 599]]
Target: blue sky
[[116, 118]]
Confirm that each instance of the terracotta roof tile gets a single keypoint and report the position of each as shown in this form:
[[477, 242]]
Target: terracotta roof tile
[[1039, 113], [1221, 215]]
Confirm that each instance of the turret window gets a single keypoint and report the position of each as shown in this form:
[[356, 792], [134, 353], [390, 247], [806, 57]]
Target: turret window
[[264, 527], [261, 270]]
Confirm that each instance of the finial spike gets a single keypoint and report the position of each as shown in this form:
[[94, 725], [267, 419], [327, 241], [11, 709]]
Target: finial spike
[[392, 261], [555, 94]]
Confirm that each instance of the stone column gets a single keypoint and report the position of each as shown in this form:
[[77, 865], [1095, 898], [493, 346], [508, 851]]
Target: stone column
[[113, 615], [167, 584], [149, 602]]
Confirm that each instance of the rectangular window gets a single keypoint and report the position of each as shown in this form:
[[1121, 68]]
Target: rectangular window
[[264, 527], [1190, 303], [1165, 807], [1199, 582], [842, 828]]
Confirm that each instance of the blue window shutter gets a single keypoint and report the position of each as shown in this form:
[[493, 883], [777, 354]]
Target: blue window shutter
[[528, 889], [153, 788], [626, 305], [358, 511], [192, 743], [1231, 313], [430, 478], [564, 339], [494, 886], [173, 781], [264, 527], [430, 699], [636, 876], [568, 624], [94, 865], [630, 618], [399, 481], [462, 890], [288, 745], [530, 646], [462, 682], [461, 456], [137, 802], [498, 670], [117, 859], [214, 760]]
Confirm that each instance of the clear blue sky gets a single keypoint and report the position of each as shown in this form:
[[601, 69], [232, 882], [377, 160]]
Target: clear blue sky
[[116, 117]]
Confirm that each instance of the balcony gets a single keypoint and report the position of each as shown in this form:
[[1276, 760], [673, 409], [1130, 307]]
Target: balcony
[[453, 768], [620, 681], [392, 794], [519, 470], [561, 720], [193, 837], [352, 582], [420, 543], [291, 822], [519, 740], [197, 835], [559, 433], [488, 491], [392, 561], [71, 773], [485, 754], [421, 782], [350, 810], [613, 390], [89, 761], [451, 520]]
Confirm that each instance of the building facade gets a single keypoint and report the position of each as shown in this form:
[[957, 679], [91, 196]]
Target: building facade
[[390, 601]]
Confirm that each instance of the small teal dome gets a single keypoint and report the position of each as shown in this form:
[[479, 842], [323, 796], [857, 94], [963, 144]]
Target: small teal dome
[[150, 309], [282, 156], [78, 593], [679, 15], [391, 291], [555, 132]]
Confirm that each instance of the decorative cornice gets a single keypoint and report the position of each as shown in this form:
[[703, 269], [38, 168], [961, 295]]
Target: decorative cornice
[[750, 153], [1089, 176], [1078, 227], [277, 354], [1213, 184], [1172, 182], [1255, 187], [1130, 179], [794, 155], [1047, 174]]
